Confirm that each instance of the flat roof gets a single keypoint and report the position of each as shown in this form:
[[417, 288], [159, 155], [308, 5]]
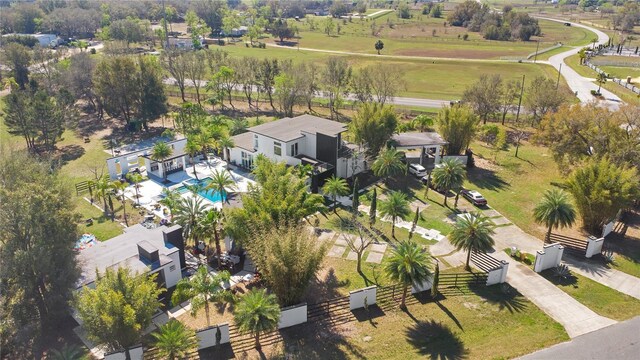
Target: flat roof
[[122, 250], [414, 139], [244, 141], [288, 129]]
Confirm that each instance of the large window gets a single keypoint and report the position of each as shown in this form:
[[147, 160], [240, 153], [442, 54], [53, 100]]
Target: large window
[[255, 141], [294, 149], [277, 149]]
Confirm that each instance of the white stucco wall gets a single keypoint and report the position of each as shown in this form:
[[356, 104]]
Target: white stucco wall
[[594, 247], [549, 257], [499, 275], [422, 287], [357, 297], [293, 315], [344, 166], [172, 277], [310, 145]]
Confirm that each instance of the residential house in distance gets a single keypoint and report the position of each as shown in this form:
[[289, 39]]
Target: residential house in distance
[[127, 159], [300, 140]]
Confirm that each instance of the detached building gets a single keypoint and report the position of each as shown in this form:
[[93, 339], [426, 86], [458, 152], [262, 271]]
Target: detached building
[[142, 250], [301, 140]]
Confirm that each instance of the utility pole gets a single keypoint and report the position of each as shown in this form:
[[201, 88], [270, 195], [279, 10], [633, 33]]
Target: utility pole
[[520, 100], [558, 81], [166, 33], [536, 55]]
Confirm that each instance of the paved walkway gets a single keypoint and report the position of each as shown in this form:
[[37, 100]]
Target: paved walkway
[[576, 318], [620, 341], [615, 279], [429, 234]]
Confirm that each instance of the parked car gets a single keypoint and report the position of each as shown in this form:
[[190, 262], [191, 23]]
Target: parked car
[[417, 170], [474, 197]]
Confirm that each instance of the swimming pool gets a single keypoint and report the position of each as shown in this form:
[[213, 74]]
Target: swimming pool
[[210, 195]]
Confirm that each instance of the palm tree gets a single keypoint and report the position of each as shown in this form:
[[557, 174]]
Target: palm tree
[[170, 199], [257, 313], [448, 176], [202, 288], [192, 148], [161, 150], [554, 211], [224, 144], [395, 205], [335, 187], [174, 340], [119, 187], [472, 232], [205, 141], [187, 214], [135, 178], [601, 79], [408, 264], [103, 188], [422, 122], [388, 163], [67, 352], [210, 224], [221, 182]]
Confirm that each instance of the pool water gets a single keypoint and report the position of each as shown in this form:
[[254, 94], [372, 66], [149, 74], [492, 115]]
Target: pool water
[[210, 195]]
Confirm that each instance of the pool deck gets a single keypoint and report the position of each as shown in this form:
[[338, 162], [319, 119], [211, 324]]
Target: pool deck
[[150, 190]]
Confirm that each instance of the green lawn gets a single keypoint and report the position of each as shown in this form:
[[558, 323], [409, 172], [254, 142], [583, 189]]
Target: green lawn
[[621, 72], [513, 186], [103, 228], [487, 324], [597, 297], [628, 262]]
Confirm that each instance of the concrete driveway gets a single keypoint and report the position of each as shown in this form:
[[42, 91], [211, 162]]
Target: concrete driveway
[[620, 342]]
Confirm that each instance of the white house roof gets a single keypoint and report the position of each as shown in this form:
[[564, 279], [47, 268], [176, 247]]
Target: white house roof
[[414, 139], [288, 129]]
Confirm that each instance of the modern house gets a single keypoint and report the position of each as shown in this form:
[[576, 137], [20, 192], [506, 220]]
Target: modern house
[[301, 140], [129, 158], [424, 148], [142, 250]]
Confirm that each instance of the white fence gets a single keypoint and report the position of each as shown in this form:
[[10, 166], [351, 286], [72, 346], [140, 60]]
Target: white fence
[[293, 315], [498, 275], [594, 246], [357, 298], [207, 337], [549, 257], [136, 354], [620, 82]]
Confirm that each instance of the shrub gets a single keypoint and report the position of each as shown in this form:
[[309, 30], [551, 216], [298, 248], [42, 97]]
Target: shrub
[[92, 51], [465, 37], [562, 272]]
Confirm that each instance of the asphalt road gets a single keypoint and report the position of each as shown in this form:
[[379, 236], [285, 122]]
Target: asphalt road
[[405, 101], [579, 84], [620, 342]]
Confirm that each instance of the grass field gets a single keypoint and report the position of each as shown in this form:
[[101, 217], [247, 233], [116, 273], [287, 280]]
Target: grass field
[[484, 324], [513, 186], [621, 72], [425, 36], [597, 297]]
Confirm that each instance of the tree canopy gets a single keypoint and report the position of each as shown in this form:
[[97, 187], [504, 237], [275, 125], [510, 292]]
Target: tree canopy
[[120, 307], [373, 126], [458, 125], [601, 189], [39, 267]]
